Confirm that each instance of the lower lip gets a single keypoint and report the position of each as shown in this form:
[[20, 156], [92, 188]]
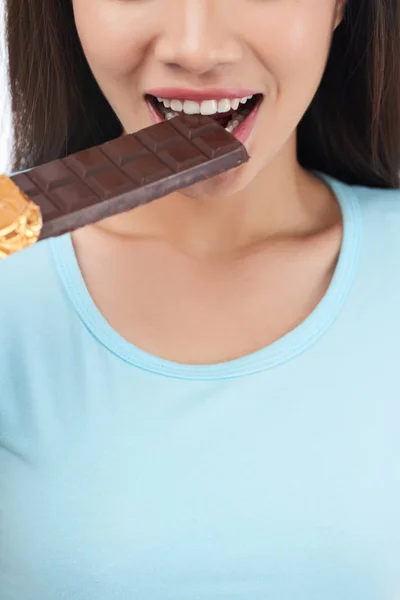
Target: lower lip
[[242, 131]]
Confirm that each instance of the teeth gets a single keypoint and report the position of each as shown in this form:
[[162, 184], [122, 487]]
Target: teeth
[[191, 108], [224, 106], [207, 107], [170, 115], [233, 124], [177, 105]]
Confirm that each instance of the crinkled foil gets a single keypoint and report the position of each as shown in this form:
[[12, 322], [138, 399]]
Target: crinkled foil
[[20, 219]]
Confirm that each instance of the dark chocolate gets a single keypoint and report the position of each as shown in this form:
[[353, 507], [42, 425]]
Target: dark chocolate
[[129, 171]]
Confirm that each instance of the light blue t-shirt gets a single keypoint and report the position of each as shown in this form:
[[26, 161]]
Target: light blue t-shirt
[[272, 477]]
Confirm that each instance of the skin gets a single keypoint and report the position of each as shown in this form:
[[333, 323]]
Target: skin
[[241, 259]]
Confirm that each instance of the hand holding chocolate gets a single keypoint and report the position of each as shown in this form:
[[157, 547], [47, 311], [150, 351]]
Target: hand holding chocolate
[[85, 187]]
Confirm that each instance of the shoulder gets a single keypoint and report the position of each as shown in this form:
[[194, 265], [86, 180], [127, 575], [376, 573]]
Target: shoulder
[[374, 212], [28, 284], [380, 207], [30, 301], [23, 274], [380, 222], [378, 213]]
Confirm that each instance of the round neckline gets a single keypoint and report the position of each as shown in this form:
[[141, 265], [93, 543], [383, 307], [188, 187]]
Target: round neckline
[[287, 347]]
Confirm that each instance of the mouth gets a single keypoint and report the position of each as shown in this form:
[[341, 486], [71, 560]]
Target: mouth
[[236, 115]]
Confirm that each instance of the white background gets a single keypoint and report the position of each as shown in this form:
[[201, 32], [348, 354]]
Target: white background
[[5, 116]]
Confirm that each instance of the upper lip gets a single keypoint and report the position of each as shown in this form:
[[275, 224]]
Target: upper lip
[[200, 95]]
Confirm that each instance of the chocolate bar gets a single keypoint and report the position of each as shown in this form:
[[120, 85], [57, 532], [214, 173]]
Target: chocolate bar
[[132, 170]]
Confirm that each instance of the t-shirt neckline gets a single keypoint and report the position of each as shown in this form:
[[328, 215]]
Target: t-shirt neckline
[[282, 350]]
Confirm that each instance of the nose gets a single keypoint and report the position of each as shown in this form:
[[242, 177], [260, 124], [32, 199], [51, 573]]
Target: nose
[[195, 37]]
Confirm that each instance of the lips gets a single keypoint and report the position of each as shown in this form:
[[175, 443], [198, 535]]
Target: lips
[[236, 114]]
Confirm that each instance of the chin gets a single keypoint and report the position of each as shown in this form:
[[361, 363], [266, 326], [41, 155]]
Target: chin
[[221, 186]]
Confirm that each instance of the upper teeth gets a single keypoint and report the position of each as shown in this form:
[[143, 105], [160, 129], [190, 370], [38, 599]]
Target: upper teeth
[[207, 107]]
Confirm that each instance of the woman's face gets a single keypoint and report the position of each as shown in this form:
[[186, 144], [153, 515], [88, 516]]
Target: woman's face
[[207, 55]]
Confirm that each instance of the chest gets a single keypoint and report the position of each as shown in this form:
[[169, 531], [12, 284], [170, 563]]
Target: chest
[[216, 490], [208, 312]]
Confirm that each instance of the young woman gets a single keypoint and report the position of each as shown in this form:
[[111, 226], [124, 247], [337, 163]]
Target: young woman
[[200, 399]]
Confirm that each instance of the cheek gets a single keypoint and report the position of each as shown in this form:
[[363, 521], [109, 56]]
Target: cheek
[[113, 36], [293, 43]]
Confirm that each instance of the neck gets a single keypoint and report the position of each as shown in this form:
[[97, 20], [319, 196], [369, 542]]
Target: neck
[[283, 199]]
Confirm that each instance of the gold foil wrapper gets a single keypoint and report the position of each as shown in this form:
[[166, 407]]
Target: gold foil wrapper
[[20, 219]]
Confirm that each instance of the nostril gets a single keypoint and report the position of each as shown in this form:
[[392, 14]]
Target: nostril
[[174, 66], [196, 57]]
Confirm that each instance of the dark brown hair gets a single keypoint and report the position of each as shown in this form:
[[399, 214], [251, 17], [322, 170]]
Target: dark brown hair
[[351, 129]]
